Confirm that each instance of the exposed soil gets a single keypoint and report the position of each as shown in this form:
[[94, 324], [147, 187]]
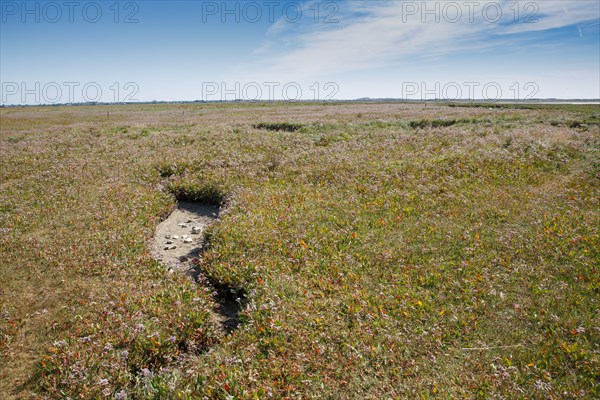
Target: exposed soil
[[179, 240]]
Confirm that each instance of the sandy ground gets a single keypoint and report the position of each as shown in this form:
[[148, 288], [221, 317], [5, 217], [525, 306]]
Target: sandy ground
[[179, 238]]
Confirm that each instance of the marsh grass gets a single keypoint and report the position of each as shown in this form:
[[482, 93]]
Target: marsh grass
[[378, 259]]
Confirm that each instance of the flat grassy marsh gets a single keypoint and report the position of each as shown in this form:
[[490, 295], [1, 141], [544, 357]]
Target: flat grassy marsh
[[384, 251]]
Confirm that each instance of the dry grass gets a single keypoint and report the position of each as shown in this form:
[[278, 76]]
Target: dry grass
[[387, 251]]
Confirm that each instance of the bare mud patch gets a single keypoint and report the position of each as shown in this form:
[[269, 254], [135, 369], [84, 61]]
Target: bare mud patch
[[179, 242], [179, 238]]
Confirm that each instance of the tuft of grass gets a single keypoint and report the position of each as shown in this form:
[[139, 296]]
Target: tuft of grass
[[204, 192]]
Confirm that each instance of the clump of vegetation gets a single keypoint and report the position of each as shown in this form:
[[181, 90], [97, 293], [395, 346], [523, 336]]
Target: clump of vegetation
[[279, 126], [439, 123], [167, 169], [204, 192], [375, 261], [583, 124], [184, 181]]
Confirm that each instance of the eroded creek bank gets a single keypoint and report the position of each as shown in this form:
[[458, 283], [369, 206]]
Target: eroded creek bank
[[179, 240]]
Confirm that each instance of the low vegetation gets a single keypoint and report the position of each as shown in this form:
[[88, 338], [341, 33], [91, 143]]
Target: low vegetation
[[278, 126], [384, 251]]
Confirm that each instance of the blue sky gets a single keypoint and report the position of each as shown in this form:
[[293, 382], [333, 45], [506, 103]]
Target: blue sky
[[222, 50]]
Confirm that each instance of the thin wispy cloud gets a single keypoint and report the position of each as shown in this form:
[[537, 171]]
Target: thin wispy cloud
[[383, 33]]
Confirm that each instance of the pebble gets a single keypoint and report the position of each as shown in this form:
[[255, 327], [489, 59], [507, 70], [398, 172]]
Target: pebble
[[175, 237], [169, 242], [183, 225], [167, 236], [196, 229], [170, 247], [187, 240]]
